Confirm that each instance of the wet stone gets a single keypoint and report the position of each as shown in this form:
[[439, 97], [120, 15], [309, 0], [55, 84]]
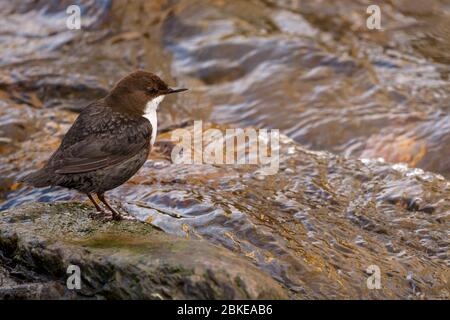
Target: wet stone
[[126, 260]]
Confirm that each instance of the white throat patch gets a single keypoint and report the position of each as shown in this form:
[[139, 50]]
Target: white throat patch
[[150, 114]]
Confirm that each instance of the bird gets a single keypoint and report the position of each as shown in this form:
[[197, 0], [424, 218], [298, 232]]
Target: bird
[[109, 141]]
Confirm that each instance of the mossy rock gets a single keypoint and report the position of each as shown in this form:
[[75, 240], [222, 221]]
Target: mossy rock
[[118, 260]]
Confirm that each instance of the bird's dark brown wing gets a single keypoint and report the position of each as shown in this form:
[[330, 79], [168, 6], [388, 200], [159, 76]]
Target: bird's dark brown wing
[[94, 153], [99, 139]]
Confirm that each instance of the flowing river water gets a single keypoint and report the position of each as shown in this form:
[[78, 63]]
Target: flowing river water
[[365, 117]]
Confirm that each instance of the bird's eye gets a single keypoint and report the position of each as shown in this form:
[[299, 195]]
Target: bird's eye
[[151, 90]]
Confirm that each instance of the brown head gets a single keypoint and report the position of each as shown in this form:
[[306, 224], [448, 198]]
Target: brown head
[[133, 93]]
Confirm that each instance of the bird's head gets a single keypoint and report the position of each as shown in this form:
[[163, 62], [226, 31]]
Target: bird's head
[[138, 92]]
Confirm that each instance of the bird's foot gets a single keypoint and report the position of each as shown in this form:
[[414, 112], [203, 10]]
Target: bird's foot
[[107, 217], [99, 210], [116, 215], [98, 214]]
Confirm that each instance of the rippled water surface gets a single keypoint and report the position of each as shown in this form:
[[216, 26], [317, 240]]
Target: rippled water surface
[[374, 104]]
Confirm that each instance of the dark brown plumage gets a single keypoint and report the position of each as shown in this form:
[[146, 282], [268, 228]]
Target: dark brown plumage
[[109, 141]]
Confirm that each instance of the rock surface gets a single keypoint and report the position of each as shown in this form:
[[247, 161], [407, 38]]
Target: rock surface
[[118, 260]]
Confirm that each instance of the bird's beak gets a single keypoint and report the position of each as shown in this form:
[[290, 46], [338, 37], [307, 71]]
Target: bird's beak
[[171, 90]]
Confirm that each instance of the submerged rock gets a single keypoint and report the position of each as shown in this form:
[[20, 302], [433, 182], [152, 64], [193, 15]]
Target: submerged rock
[[125, 260]]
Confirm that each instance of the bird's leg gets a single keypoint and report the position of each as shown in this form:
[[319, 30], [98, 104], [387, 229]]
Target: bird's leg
[[99, 209], [115, 214]]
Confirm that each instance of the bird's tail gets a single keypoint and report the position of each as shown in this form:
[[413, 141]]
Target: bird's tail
[[38, 179]]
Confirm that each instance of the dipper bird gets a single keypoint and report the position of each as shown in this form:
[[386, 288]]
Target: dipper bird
[[109, 141]]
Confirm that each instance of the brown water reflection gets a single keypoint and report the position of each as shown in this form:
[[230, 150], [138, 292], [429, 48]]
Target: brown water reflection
[[312, 70]]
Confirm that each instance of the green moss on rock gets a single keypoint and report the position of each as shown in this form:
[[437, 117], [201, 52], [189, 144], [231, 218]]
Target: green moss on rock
[[123, 260]]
